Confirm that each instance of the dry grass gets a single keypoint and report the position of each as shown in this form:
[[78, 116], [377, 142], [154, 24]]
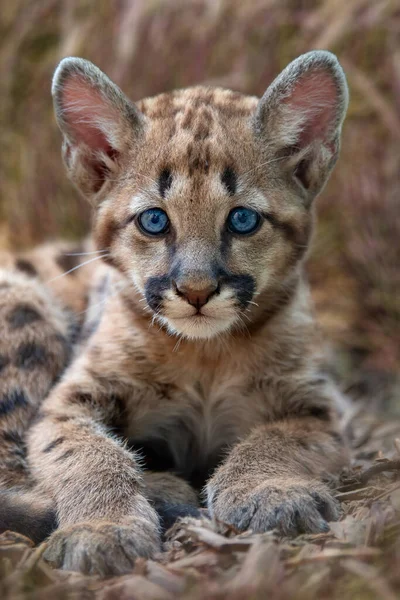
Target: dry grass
[[358, 559], [149, 46]]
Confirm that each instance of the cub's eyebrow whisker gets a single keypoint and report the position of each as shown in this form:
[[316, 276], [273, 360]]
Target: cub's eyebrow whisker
[[77, 267], [264, 164]]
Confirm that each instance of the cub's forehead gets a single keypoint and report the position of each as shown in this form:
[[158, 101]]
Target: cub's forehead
[[200, 129], [189, 103]]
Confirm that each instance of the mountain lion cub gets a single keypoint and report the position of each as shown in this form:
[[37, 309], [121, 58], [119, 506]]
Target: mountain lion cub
[[194, 372]]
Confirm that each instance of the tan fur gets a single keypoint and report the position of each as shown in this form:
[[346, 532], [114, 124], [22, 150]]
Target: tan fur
[[231, 394]]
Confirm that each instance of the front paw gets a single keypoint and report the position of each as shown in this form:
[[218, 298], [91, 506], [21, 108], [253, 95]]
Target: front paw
[[102, 547], [290, 506]]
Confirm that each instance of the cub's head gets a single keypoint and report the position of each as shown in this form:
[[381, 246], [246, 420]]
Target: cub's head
[[203, 196]]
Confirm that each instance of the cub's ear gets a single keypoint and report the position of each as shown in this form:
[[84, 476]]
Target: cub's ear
[[300, 116], [97, 121]]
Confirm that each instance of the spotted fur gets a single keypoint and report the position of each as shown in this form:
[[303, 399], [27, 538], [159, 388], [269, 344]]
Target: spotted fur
[[200, 355]]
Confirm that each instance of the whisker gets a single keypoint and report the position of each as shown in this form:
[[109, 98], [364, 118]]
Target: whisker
[[178, 343], [75, 268], [264, 164], [102, 302], [84, 253]]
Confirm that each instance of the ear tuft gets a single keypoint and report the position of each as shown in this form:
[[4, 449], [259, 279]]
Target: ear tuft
[[98, 122], [301, 114]]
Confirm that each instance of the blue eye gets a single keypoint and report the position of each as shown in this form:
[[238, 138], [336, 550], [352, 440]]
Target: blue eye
[[243, 220], [153, 221]]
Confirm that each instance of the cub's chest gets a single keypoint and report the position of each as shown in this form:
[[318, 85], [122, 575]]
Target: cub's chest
[[186, 425]]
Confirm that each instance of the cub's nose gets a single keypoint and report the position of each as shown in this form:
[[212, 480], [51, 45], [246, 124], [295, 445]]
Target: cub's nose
[[197, 298]]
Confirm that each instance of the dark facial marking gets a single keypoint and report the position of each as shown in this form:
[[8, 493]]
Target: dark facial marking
[[287, 229], [198, 157], [154, 291], [3, 362], [53, 445], [164, 182], [14, 399], [244, 286], [26, 267], [22, 315], [31, 355], [229, 180], [203, 125]]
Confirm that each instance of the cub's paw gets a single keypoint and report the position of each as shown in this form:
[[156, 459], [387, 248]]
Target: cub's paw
[[291, 507], [101, 547]]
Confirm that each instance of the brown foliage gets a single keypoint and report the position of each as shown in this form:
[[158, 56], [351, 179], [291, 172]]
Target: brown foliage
[[358, 558], [153, 46]]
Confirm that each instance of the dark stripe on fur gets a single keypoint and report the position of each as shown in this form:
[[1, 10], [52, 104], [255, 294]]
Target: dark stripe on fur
[[22, 315], [229, 180], [26, 267], [4, 360], [11, 401], [54, 444], [66, 454], [164, 182], [30, 356]]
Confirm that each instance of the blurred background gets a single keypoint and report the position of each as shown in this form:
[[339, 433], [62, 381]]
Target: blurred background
[[150, 46]]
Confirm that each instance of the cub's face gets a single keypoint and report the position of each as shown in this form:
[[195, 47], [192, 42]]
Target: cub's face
[[203, 195], [200, 225]]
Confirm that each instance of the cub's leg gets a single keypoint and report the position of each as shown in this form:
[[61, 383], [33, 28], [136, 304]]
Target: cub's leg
[[35, 346], [105, 519], [274, 478]]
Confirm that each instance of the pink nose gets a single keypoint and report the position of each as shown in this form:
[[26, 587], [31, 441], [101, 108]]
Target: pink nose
[[197, 298]]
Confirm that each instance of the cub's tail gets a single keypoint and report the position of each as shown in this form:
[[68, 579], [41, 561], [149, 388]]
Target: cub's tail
[[27, 514]]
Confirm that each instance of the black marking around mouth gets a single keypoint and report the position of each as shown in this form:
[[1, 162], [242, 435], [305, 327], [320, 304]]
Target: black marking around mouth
[[154, 291], [243, 285]]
